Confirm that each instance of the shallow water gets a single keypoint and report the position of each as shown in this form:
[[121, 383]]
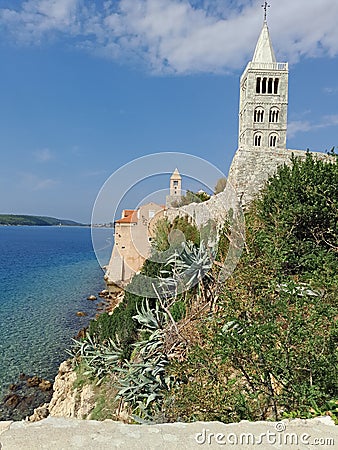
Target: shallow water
[[46, 274]]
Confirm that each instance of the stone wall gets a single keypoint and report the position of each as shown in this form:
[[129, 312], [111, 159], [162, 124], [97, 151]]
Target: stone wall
[[215, 209], [251, 168], [55, 433]]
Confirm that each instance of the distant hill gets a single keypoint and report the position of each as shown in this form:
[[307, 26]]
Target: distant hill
[[13, 219]]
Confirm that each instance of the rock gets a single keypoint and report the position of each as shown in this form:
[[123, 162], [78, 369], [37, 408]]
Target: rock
[[104, 293], [92, 298], [24, 396], [81, 314], [22, 376], [39, 413], [67, 401], [12, 401], [62, 403], [33, 381], [81, 334], [45, 385]]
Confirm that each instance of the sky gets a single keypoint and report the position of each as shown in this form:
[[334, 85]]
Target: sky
[[88, 86]]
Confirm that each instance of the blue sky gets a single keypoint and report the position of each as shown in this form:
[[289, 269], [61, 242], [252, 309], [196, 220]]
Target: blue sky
[[87, 86]]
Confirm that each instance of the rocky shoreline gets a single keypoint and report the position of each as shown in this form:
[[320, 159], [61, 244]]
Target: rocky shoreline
[[34, 398], [24, 396]]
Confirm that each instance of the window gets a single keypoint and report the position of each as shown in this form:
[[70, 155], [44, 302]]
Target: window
[[258, 140], [270, 85], [274, 115], [259, 114], [267, 85], [244, 87], [175, 183], [151, 214], [258, 85], [273, 140]]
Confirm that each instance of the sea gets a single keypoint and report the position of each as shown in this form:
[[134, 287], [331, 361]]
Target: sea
[[46, 275]]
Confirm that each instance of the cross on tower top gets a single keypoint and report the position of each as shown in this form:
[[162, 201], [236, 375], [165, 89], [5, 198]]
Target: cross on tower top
[[265, 7]]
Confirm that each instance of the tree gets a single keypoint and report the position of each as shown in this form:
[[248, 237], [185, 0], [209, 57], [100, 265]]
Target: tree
[[272, 342], [298, 211]]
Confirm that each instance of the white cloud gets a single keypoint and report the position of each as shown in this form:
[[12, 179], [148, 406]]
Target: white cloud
[[44, 184], [331, 90], [43, 155], [301, 126], [298, 126], [178, 36], [34, 182], [40, 19]]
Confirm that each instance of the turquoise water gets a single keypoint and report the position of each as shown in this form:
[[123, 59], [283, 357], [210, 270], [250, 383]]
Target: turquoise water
[[46, 274]]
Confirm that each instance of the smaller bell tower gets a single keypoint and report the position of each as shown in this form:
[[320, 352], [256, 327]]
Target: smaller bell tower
[[175, 183], [175, 188]]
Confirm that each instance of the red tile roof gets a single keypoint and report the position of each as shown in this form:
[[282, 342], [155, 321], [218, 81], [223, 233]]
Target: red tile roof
[[128, 216]]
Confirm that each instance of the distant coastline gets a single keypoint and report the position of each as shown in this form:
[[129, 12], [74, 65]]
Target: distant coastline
[[27, 220]]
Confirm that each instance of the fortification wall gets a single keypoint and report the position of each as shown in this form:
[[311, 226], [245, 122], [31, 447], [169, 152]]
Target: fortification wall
[[250, 168], [215, 209]]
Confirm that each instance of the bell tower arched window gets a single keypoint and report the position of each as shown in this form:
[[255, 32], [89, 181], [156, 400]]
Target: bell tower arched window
[[258, 85], [276, 83], [258, 140], [259, 114], [270, 83], [273, 139], [274, 115], [267, 85]]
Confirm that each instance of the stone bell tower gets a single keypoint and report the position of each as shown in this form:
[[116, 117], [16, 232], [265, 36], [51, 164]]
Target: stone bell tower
[[175, 188], [263, 97]]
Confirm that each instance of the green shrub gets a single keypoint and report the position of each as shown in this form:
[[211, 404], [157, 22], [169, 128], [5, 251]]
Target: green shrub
[[274, 334], [178, 310]]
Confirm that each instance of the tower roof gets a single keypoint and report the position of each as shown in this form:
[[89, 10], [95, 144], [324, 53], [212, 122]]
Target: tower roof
[[264, 51], [176, 174]]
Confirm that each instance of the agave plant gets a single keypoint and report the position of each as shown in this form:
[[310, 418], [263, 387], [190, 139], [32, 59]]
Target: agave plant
[[100, 358], [190, 268], [143, 380]]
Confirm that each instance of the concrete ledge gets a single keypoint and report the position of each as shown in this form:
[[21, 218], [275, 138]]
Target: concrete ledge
[[63, 434]]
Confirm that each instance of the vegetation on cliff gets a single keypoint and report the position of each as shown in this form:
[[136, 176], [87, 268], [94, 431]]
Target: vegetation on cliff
[[263, 344]]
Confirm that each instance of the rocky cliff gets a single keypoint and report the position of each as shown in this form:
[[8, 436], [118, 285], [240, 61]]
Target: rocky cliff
[[67, 401]]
